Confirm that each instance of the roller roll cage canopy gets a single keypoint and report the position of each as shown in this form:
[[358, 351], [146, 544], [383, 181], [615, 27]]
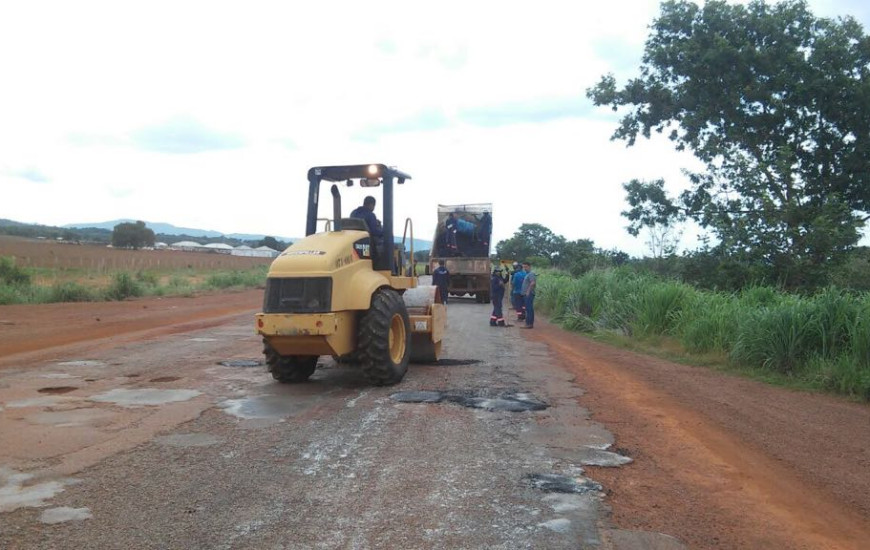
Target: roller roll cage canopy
[[386, 175]]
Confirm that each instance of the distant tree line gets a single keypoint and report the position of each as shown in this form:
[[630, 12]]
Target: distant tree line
[[540, 246], [703, 268], [94, 235]]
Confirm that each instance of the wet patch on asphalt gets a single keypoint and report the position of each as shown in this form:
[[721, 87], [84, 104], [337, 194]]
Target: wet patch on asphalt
[[508, 400], [39, 402], [559, 525], [65, 513], [592, 456], [72, 418], [242, 363], [18, 491], [268, 407], [81, 363], [144, 396], [166, 379], [57, 390], [558, 483]]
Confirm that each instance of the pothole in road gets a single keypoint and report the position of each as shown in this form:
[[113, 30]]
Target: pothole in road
[[455, 362], [57, 390], [267, 406], [557, 483], [511, 401], [166, 379], [144, 396], [242, 363]]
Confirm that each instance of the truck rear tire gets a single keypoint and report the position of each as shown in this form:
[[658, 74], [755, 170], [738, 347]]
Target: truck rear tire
[[289, 369], [385, 339]]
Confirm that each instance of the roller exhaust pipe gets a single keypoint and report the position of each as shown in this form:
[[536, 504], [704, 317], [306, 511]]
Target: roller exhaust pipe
[[336, 208]]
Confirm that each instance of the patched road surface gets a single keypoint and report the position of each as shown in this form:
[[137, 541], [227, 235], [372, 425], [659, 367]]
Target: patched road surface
[[182, 440]]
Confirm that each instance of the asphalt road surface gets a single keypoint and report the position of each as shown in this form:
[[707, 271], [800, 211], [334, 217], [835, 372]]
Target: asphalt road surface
[[179, 439]]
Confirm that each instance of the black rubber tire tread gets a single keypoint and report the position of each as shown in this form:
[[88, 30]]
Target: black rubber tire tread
[[374, 339], [292, 369], [352, 358]]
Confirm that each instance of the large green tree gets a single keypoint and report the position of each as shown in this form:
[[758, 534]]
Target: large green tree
[[531, 240], [776, 103], [132, 235], [538, 244]]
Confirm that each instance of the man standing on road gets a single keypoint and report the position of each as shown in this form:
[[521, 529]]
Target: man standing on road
[[517, 291], [529, 283], [441, 279], [496, 292]]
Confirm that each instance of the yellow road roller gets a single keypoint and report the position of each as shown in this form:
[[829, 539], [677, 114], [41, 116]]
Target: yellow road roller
[[349, 291]]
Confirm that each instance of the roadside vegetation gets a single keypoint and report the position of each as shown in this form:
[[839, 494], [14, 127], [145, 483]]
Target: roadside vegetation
[[43, 285], [820, 341], [771, 100]]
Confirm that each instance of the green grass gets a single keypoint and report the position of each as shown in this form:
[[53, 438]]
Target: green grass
[[819, 342], [17, 285]]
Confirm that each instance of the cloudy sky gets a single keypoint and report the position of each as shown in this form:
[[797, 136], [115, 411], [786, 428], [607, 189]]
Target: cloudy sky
[[209, 114]]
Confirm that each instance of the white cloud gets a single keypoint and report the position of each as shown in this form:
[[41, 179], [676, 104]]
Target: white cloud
[[209, 114]]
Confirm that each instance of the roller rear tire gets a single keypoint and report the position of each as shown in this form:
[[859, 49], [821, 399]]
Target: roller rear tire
[[385, 339]]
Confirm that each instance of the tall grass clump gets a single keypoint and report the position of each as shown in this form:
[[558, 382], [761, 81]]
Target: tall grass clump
[[229, 279], [15, 283], [709, 322], [775, 338], [620, 300], [148, 278], [70, 291], [834, 315], [658, 305], [11, 274], [123, 286]]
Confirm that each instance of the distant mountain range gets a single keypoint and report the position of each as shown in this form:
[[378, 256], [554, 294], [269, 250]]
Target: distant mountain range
[[169, 229]]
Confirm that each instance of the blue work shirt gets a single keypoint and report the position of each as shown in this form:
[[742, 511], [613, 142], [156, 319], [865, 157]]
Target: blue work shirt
[[363, 213], [441, 277], [496, 286], [517, 282]]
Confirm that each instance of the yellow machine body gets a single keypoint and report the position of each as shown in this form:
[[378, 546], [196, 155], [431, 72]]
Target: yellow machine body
[[341, 258]]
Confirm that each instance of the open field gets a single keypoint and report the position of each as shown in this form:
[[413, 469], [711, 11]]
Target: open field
[[37, 271], [33, 253]]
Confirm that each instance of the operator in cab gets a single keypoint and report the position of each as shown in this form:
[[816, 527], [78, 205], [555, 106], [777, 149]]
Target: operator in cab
[[367, 212]]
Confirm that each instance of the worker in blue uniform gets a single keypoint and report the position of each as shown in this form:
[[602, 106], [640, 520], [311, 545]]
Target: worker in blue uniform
[[517, 300], [441, 280], [496, 292]]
